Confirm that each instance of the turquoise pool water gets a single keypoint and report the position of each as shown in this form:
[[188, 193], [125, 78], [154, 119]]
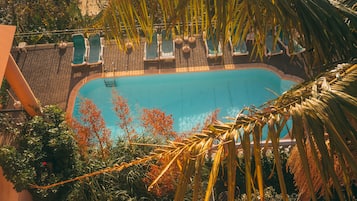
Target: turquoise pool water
[[188, 97]]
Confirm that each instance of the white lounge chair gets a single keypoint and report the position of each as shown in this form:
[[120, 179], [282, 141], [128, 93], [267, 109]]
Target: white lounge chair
[[271, 48], [285, 42], [151, 50], [213, 48], [239, 48], [167, 47]]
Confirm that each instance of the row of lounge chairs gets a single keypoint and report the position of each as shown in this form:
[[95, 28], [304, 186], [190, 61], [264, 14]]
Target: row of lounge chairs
[[240, 48], [87, 51], [160, 49], [284, 42], [296, 47]]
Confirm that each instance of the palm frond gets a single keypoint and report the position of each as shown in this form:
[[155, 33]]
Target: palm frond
[[327, 30]]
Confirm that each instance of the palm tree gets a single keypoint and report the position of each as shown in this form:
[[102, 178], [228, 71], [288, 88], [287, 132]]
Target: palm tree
[[323, 110], [328, 31]]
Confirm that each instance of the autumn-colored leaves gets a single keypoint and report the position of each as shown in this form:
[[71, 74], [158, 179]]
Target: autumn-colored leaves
[[91, 130], [94, 140]]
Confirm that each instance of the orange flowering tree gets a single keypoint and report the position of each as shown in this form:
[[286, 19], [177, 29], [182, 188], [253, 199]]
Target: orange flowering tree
[[166, 183], [91, 130], [122, 111], [156, 122]]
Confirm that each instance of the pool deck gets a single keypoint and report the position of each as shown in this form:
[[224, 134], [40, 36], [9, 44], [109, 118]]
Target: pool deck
[[47, 68]]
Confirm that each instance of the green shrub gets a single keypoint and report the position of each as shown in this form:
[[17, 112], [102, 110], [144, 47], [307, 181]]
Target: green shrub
[[269, 173], [44, 153], [124, 185]]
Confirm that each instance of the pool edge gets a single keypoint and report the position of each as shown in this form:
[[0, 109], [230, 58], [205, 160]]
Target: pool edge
[[227, 67]]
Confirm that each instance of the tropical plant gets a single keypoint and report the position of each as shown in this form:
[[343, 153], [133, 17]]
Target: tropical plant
[[269, 171], [4, 96], [320, 184], [36, 20], [322, 109], [128, 184], [91, 131], [124, 185], [8, 129], [311, 107], [158, 123], [322, 25], [43, 152], [122, 111], [270, 194]]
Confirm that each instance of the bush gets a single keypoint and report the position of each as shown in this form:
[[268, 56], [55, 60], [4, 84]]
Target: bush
[[44, 153], [269, 173], [124, 185]]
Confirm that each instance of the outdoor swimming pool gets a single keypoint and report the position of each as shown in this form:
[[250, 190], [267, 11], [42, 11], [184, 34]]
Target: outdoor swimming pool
[[188, 97]]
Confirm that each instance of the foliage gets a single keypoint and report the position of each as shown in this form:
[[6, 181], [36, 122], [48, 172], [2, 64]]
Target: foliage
[[323, 109], [42, 17], [45, 153], [309, 18], [270, 194], [153, 121], [129, 183], [124, 185], [167, 184], [91, 131], [269, 171], [318, 181], [320, 110], [122, 111], [9, 129], [4, 96], [163, 176], [158, 123]]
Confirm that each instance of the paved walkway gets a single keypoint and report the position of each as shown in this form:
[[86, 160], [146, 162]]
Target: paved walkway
[[50, 75]]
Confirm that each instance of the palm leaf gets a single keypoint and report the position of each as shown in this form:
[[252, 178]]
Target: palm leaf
[[231, 164], [257, 135], [298, 133], [214, 172], [275, 142]]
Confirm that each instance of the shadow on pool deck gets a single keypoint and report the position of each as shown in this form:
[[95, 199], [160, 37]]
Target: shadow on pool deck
[[48, 70]]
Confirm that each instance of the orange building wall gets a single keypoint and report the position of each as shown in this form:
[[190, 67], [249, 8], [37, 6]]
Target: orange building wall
[[9, 67], [8, 193]]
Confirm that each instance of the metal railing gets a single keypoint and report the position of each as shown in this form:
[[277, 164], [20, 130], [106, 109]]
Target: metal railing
[[59, 35]]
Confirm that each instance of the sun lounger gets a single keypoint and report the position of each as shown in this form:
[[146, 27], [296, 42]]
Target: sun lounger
[[167, 48], [238, 49], [271, 48], [96, 46], [151, 50], [212, 50], [79, 50], [296, 47]]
